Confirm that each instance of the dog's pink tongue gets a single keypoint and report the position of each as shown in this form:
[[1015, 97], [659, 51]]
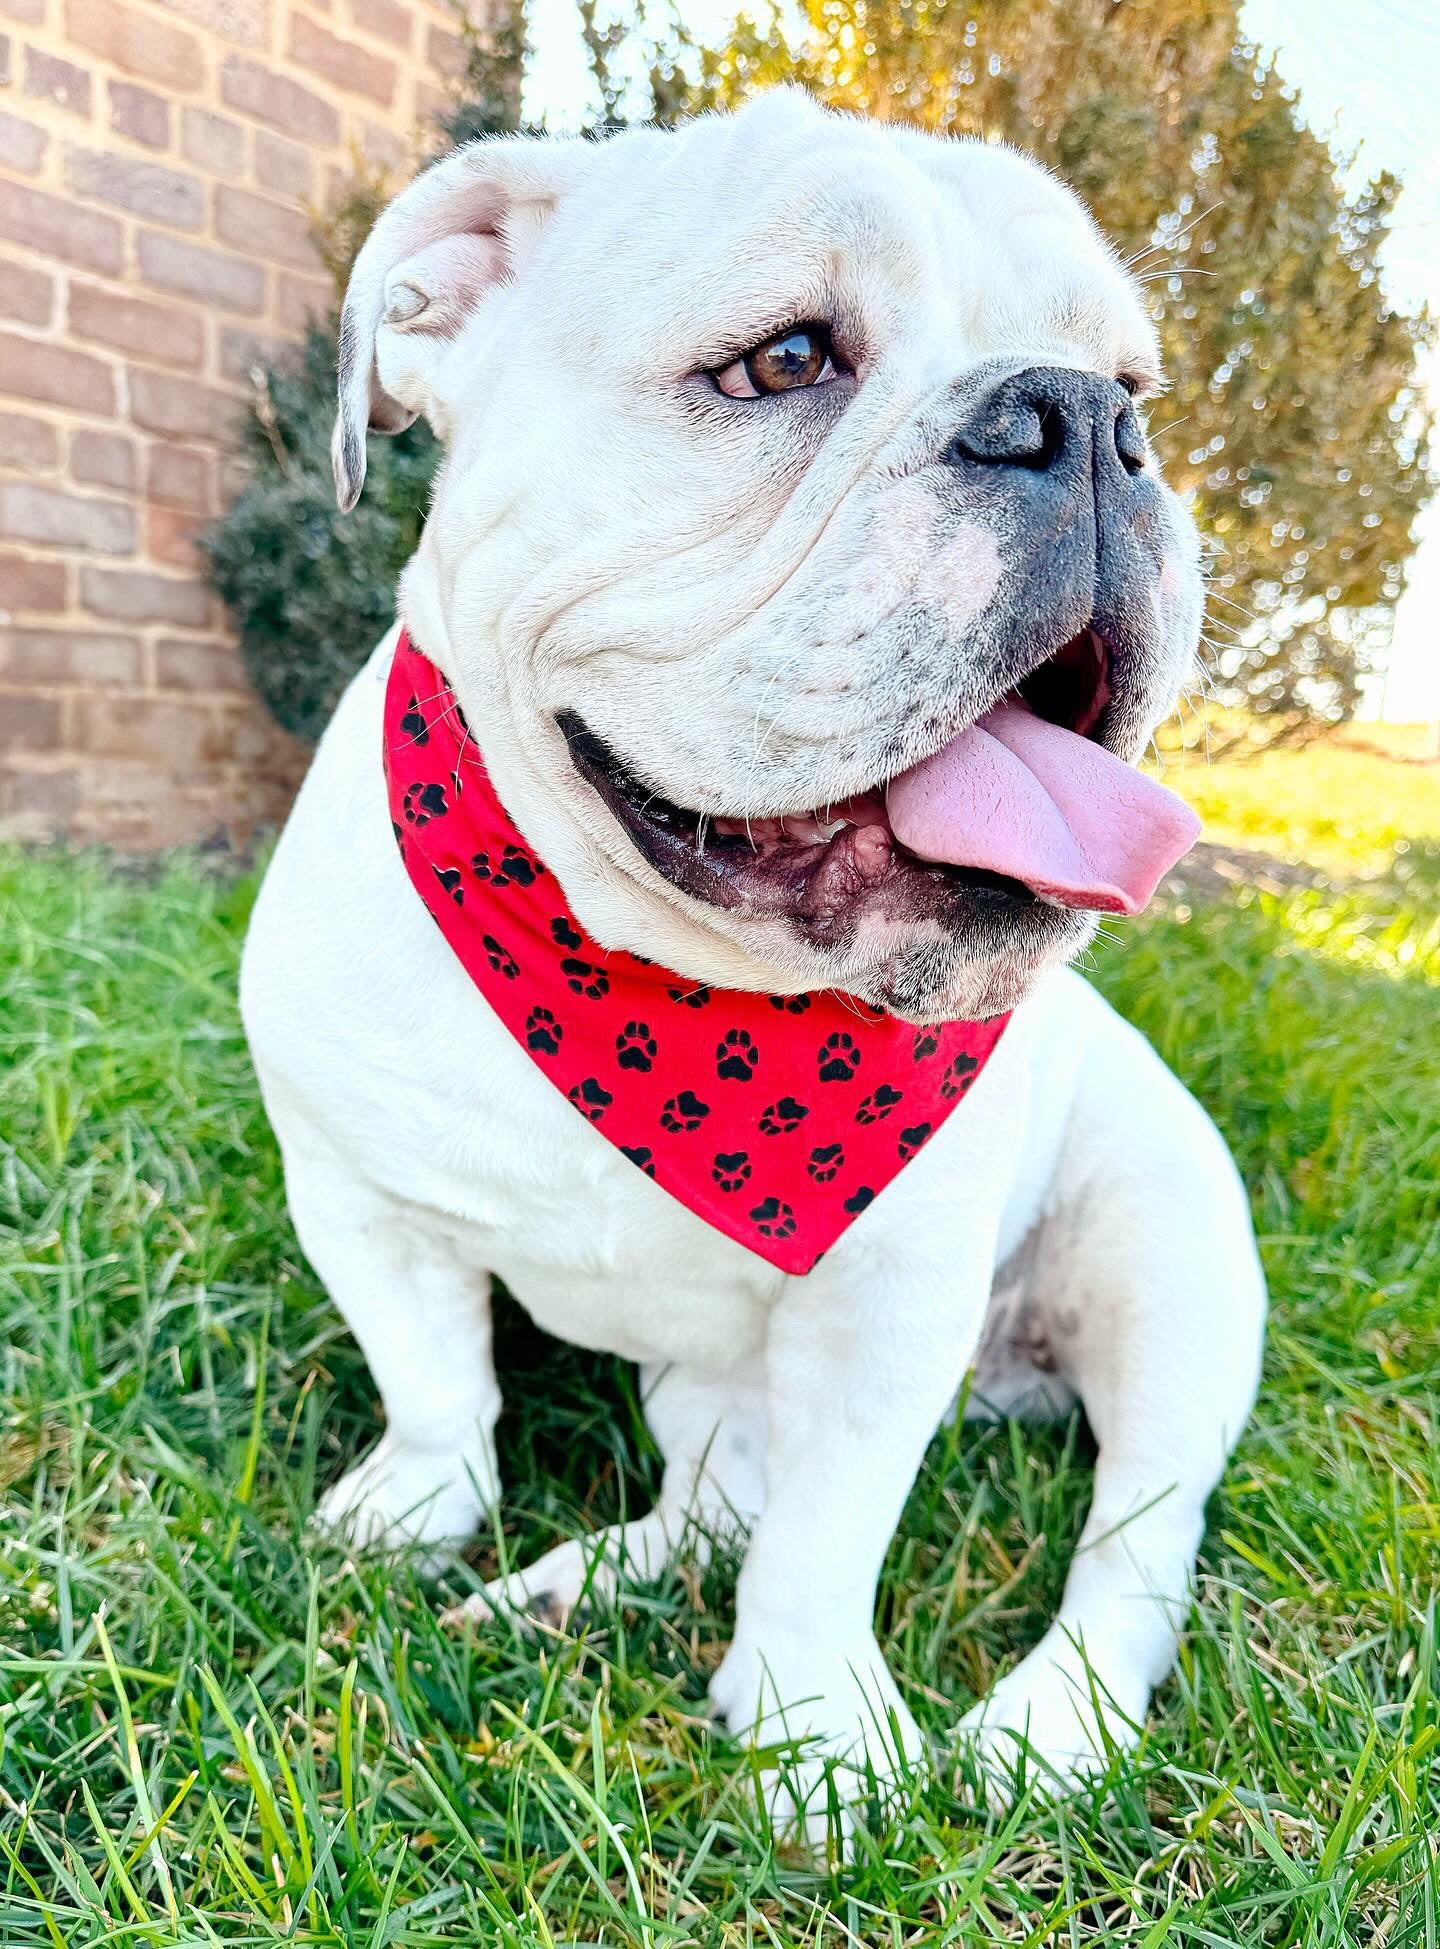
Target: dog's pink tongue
[[1020, 796]]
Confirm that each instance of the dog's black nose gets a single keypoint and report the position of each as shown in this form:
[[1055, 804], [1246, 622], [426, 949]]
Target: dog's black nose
[[1052, 418]]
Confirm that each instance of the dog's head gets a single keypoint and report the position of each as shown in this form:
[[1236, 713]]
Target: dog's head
[[783, 450]]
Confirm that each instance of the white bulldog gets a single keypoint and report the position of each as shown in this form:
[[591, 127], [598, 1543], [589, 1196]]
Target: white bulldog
[[782, 450]]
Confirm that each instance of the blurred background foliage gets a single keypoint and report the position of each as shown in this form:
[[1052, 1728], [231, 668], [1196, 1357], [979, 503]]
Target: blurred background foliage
[[1293, 420]]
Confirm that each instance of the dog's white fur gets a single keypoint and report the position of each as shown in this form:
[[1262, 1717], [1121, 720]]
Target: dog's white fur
[[766, 613]]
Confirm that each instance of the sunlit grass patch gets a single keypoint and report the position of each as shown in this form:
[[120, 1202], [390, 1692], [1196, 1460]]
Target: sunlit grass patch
[[1361, 803]]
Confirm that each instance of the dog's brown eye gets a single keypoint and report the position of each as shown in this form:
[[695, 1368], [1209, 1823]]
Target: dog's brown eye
[[800, 357]]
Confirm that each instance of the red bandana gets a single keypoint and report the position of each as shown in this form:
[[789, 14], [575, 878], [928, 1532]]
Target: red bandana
[[775, 1118]]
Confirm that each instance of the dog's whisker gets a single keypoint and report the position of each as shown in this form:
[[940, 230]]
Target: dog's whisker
[[409, 743], [459, 761]]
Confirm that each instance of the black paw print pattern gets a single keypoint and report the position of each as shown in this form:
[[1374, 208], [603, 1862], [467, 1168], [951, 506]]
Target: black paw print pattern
[[878, 1104], [736, 1056], [789, 1004], [777, 1119], [690, 997], [911, 1139], [413, 722], [825, 1161], [640, 1155], [838, 1058], [731, 1168], [499, 957], [591, 1098], [583, 978], [449, 878], [564, 935], [512, 868], [635, 1047], [958, 1077], [926, 1041], [684, 1112], [773, 1218], [543, 1033], [422, 803]]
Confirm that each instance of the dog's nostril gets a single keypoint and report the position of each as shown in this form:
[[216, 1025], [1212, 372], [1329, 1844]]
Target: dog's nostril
[[1028, 433], [1051, 420], [1130, 441], [1051, 443]]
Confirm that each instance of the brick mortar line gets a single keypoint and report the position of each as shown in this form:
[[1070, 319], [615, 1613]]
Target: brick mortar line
[[202, 143]]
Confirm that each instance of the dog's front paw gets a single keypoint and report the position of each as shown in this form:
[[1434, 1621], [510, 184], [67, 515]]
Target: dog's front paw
[[546, 1592], [1057, 1720], [401, 1495], [842, 1736]]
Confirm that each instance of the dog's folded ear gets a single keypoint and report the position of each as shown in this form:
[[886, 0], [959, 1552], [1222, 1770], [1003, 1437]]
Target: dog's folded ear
[[463, 227]]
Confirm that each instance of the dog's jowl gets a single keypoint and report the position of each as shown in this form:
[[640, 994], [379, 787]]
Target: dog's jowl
[[675, 920]]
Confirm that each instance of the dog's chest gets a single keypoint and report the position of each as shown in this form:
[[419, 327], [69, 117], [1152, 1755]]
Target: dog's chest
[[593, 1250]]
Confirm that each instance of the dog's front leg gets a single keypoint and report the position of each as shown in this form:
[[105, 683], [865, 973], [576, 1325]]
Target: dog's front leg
[[422, 1316], [858, 1379]]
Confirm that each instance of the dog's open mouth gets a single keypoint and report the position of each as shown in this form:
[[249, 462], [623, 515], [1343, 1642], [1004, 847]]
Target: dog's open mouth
[[1023, 805]]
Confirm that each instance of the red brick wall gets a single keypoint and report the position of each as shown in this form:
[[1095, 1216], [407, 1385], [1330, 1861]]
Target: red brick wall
[[157, 162]]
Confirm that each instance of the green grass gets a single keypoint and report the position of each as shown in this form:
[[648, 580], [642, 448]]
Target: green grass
[[1360, 804], [216, 1728]]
